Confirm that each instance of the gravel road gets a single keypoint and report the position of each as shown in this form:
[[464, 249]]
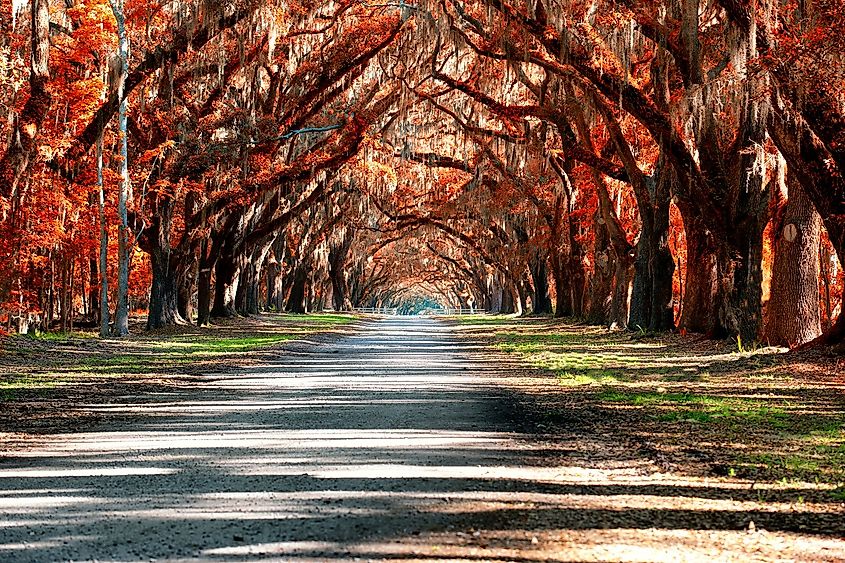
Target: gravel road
[[361, 441], [390, 443]]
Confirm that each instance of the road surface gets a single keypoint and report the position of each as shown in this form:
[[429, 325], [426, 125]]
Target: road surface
[[392, 443]]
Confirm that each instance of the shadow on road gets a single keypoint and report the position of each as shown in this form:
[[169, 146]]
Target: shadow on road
[[368, 447]]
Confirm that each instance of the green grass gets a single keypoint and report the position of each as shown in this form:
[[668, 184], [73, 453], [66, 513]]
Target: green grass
[[537, 342], [686, 397], [566, 355], [209, 346], [655, 398], [483, 319], [325, 318], [689, 407], [820, 463], [826, 429], [182, 350], [58, 336], [601, 376], [27, 381], [12, 387], [154, 355]]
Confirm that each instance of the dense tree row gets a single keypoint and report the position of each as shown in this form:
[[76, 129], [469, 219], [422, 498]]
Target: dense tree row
[[663, 164]]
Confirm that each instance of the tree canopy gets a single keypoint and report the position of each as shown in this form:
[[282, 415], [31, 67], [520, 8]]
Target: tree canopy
[[670, 164]]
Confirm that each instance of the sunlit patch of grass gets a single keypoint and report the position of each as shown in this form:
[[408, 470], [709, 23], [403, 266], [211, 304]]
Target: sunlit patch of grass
[[826, 432], [683, 377], [772, 417], [28, 381], [325, 318], [645, 399], [52, 360], [12, 386], [601, 377], [58, 336], [127, 364], [575, 358], [574, 363], [819, 463], [770, 376], [210, 346], [689, 407], [481, 319], [537, 342], [180, 351]]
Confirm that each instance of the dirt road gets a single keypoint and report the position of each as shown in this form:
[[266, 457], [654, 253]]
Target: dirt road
[[391, 443]]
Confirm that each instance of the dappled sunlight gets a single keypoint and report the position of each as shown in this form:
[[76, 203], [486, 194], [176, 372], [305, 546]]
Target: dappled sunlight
[[357, 451]]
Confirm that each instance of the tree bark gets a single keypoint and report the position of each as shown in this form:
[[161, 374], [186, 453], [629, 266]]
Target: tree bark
[[623, 278], [577, 281], [601, 295], [165, 264], [186, 280], [248, 301], [338, 255], [810, 159], [521, 296], [226, 278], [164, 294], [104, 246], [651, 297], [121, 322], [563, 290], [792, 315], [296, 298], [507, 305], [27, 125], [541, 302], [699, 312], [206, 267]]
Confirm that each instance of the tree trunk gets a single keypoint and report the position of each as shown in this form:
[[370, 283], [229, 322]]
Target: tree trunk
[[187, 284], [792, 315], [226, 277], [826, 259], [121, 323], [93, 291], [812, 162], [296, 299], [521, 296], [275, 289], [248, 301], [338, 255], [63, 298], [623, 278], [27, 125], [165, 264], [541, 302], [577, 279], [651, 296], [164, 294], [699, 311], [206, 268], [340, 300], [507, 305], [275, 275], [563, 291], [104, 245], [249, 287], [601, 295]]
